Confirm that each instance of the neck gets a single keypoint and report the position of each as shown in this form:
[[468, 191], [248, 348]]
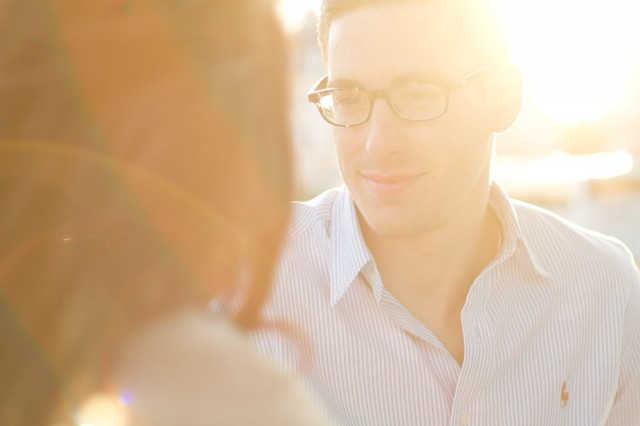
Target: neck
[[431, 271], [442, 263]]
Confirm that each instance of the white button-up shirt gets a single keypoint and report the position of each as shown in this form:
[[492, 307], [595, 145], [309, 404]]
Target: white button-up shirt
[[551, 327]]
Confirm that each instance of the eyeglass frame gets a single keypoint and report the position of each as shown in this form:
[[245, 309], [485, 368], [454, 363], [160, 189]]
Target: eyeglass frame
[[449, 86]]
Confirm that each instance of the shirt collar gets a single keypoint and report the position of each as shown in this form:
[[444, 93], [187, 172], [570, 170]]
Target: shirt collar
[[349, 253], [512, 234]]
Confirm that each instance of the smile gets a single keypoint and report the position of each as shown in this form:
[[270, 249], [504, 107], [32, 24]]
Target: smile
[[389, 184]]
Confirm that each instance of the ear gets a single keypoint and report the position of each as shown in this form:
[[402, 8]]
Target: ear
[[504, 93]]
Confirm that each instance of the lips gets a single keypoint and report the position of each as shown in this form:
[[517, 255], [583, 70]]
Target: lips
[[386, 184]]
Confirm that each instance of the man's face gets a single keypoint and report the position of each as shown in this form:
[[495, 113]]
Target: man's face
[[407, 178]]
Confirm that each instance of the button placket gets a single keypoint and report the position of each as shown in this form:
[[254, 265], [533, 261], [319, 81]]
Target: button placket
[[477, 367]]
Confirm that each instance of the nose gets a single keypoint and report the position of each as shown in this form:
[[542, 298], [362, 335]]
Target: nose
[[384, 137]]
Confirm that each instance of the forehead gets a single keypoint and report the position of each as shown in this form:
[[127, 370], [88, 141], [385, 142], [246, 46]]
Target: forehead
[[377, 44]]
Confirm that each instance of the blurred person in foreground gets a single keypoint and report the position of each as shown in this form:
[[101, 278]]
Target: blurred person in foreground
[[144, 170], [428, 295]]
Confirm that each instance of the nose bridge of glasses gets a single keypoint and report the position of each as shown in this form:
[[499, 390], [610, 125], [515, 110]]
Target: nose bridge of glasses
[[384, 131], [380, 94]]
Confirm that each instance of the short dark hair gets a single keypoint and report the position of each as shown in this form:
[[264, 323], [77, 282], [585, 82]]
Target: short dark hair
[[483, 14]]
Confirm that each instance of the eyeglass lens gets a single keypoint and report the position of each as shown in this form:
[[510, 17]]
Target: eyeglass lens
[[348, 107]]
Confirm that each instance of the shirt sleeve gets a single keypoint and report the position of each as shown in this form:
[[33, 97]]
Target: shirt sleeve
[[626, 405]]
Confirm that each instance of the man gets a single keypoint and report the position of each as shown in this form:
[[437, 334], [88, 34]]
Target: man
[[424, 294]]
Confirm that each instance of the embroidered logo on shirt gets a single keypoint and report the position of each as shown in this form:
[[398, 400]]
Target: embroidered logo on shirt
[[564, 395]]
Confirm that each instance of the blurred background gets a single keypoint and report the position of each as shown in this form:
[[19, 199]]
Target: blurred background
[[575, 149]]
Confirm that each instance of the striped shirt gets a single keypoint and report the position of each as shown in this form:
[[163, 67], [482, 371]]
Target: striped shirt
[[551, 327]]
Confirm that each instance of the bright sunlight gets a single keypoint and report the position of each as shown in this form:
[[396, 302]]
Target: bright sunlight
[[293, 11], [577, 56]]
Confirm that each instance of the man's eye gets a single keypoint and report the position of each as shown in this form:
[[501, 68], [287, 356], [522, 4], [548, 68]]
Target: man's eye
[[418, 93], [347, 99]]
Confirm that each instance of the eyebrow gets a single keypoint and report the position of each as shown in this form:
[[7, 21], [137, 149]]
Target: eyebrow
[[343, 83], [423, 77]]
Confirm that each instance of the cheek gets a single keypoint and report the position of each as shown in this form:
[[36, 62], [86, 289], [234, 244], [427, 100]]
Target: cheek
[[456, 150], [469, 131], [468, 153], [346, 146]]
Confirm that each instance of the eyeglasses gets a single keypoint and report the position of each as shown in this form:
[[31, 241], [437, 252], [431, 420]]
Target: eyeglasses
[[416, 101]]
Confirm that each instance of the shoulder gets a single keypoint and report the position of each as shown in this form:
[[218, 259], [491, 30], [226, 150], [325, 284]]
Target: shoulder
[[306, 251], [306, 215], [560, 243]]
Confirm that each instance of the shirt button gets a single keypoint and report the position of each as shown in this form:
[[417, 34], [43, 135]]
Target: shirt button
[[464, 419]]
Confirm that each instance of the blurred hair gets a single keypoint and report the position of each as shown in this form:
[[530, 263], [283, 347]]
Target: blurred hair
[[144, 169], [479, 19]]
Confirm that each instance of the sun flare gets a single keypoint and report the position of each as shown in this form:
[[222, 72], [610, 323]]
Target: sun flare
[[292, 12], [577, 57]]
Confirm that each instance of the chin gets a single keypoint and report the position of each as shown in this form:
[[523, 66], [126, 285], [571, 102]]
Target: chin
[[387, 224]]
